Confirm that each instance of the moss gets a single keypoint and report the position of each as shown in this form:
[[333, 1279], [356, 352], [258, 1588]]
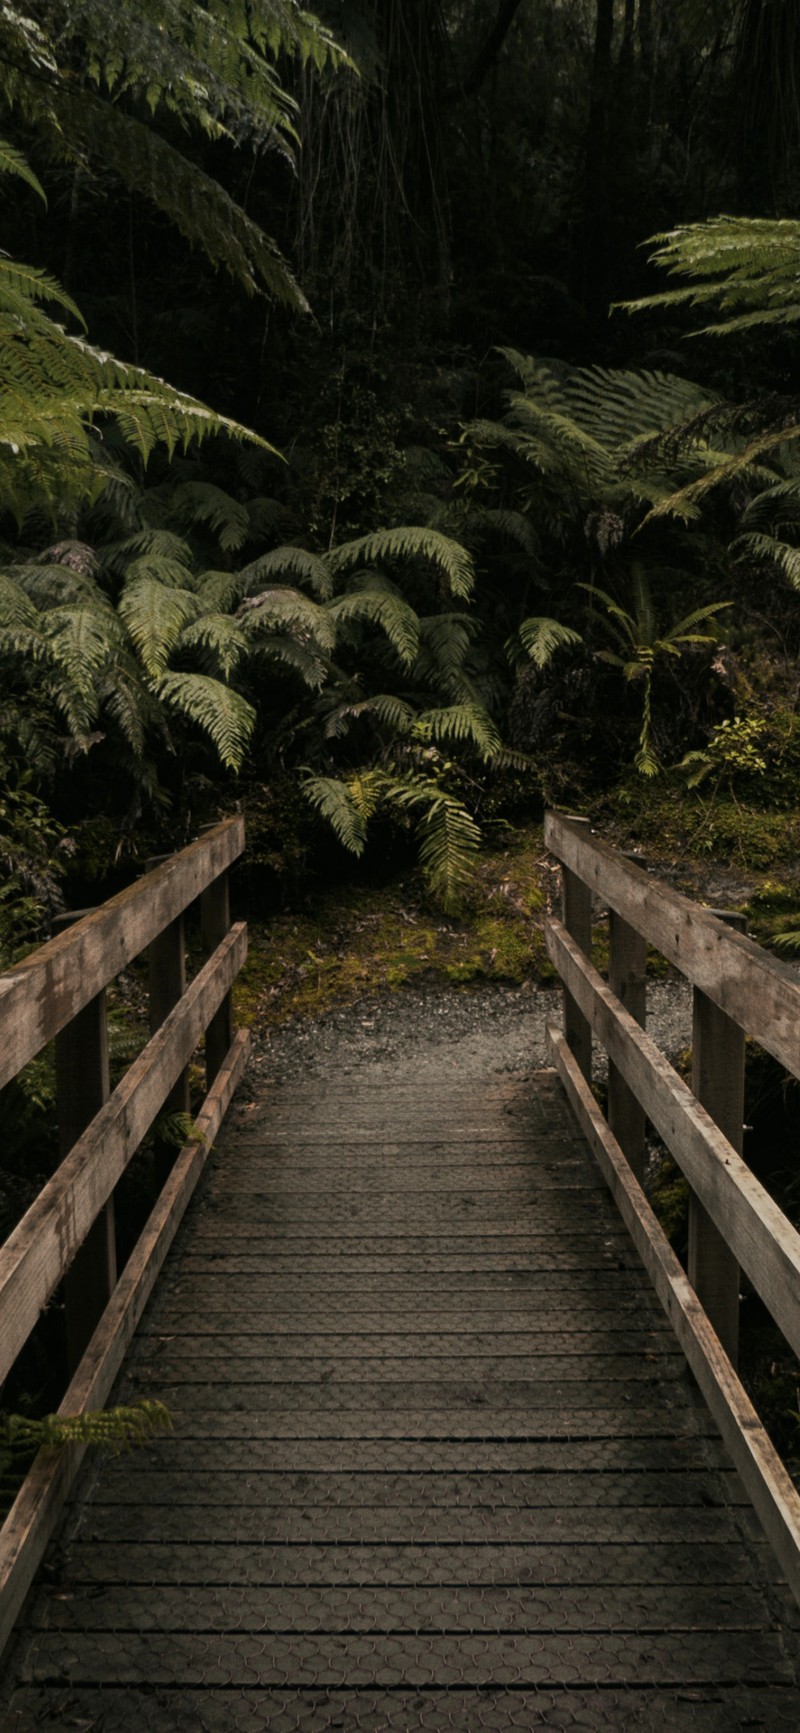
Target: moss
[[359, 938]]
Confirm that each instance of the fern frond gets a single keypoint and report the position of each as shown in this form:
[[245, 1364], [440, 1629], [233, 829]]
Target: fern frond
[[393, 712], [120, 1427], [449, 841], [735, 262], [302, 659], [225, 716], [289, 608], [196, 502], [155, 615], [12, 162], [222, 639], [764, 548], [541, 637], [289, 562], [461, 723], [334, 801], [374, 599], [409, 542]]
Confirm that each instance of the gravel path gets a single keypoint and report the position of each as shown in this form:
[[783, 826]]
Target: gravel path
[[469, 1024]]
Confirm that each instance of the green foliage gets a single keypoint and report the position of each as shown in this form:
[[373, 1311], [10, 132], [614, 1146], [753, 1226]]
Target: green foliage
[[447, 835], [115, 1428], [83, 79], [735, 263], [732, 751], [641, 642]]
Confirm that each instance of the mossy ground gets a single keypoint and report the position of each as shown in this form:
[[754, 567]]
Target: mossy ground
[[361, 938]]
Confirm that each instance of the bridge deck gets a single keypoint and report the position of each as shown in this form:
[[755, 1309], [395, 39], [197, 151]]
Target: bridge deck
[[437, 1463]]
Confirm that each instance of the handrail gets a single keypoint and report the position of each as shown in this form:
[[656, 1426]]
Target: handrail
[[68, 1232], [733, 1221]]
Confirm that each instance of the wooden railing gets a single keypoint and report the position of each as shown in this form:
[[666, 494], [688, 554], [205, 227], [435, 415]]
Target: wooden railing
[[68, 1234], [733, 1222]]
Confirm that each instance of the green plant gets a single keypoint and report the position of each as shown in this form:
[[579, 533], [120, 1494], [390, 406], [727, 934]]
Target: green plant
[[115, 1428], [642, 641], [732, 751]]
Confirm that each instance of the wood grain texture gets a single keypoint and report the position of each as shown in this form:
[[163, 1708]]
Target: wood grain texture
[[41, 1248], [45, 991], [774, 1496], [752, 987], [757, 1231]]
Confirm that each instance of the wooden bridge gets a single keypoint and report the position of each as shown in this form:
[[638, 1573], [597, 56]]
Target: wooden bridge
[[438, 1461]]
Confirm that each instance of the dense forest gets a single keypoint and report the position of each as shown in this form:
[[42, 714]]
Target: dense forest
[[398, 427]]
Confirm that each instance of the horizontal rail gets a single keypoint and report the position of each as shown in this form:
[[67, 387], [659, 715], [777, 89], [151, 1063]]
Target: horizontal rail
[[774, 1497], [40, 995], [759, 993], [764, 1241], [32, 1518], [42, 1246]]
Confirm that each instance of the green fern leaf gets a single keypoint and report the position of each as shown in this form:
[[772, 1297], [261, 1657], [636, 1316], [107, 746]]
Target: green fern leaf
[[461, 723], [375, 600], [541, 637], [288, 562], [155, 615], [335, 803], [407, 543], [222, 714]]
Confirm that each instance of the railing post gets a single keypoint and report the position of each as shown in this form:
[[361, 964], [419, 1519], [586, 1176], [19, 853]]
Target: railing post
[[82, 1087], [577, 915], [166, 962], [627, 958], [215, 921], [718, 1046]]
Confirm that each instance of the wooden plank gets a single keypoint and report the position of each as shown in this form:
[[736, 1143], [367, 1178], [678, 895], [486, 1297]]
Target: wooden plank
[[166, 968], [773, 1494], [757, 1231], [215, 920], [82, 1088], [45, 991], [42, 1246], [752, 987], [32, 1518], [717, 1082], [626, 975], [577, 910]]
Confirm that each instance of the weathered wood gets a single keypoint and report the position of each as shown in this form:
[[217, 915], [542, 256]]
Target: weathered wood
[[770, 1488], [765, 1243], [626, 974], [166, 971], [215, 920], [752, 987], [32, 1518], [45, 991], [718, 1082], [577, 910], [43, 1245], [82, 1088]]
